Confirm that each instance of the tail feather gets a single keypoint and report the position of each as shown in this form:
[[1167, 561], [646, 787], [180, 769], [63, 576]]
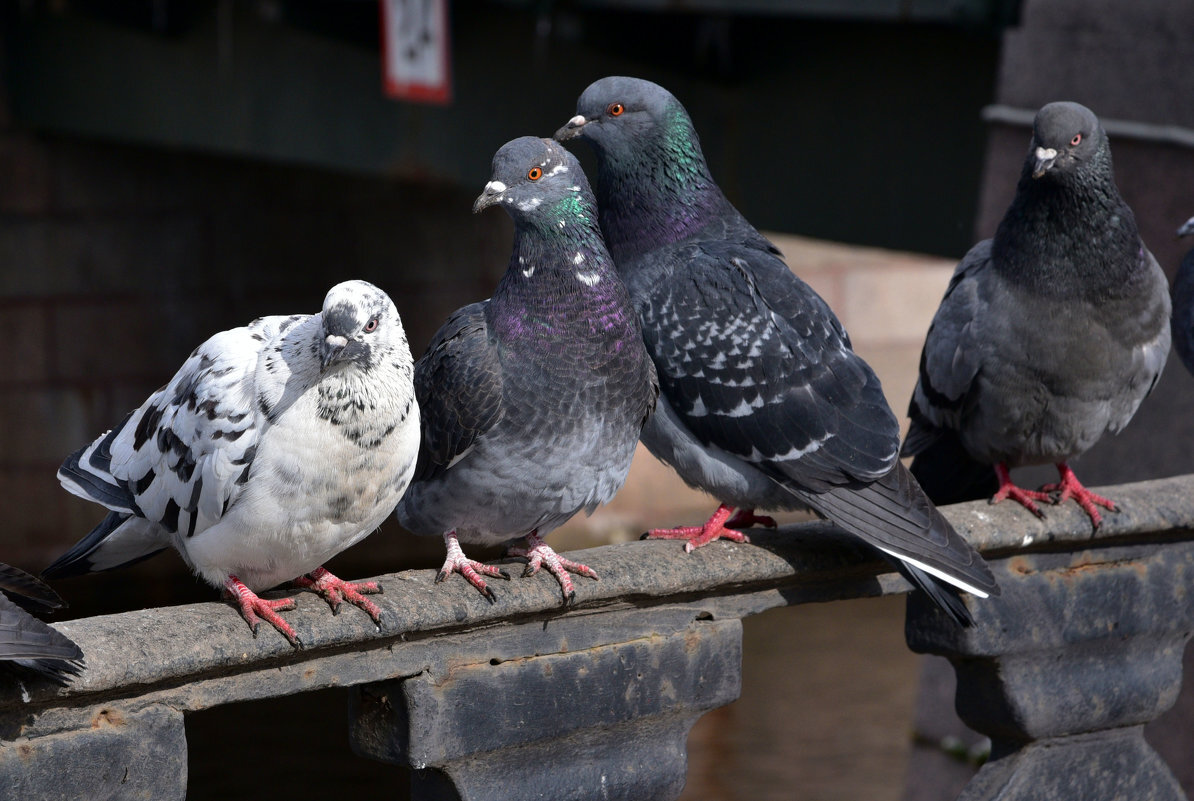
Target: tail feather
[[88, 473], [119, 540], [945, 596], [894, 515]]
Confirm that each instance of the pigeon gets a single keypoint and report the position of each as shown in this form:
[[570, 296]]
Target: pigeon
[[532, 400], [1183, 303], [1050, 334], [26, 641], [276, 446], [763, 403]]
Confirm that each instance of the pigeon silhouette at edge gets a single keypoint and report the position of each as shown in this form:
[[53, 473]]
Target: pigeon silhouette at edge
[[28, 642]]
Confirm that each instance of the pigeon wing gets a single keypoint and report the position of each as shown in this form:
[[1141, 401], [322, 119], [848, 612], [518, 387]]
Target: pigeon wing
[[951, 357], [458, 384], [182, 458], [755, 363]]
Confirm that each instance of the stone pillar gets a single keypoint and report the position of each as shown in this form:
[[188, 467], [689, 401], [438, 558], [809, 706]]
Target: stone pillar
[[609, 721], [1063, 670]]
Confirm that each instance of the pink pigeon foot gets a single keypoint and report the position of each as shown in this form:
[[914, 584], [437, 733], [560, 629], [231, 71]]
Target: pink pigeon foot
[[457, 562], [1025, 497], [715, 528], [251, 607], [746, 518], [1070, 487], [539, 553], [335, 591]]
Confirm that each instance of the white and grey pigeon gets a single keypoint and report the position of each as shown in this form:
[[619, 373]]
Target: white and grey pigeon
[[533, 400], [1050, 334], [1183, 303], [763, 402], [275, 447], [26, 641]]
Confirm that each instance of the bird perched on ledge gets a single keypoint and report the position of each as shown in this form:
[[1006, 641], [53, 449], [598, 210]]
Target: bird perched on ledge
[[763, 402], [274, 447], [532, 400], [26, 641], [1050, 334]]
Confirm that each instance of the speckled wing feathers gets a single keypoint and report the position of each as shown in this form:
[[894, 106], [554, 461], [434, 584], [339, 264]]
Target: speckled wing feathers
[[757, 365], [181, 458]]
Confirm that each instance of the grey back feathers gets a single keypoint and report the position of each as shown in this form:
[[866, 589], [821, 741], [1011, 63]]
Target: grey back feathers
[[1051, 334], [763, 401], [534, 399], [275, 446]]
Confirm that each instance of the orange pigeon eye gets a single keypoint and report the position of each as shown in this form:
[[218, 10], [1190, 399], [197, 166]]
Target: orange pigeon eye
[[535, 174], [615, 109]]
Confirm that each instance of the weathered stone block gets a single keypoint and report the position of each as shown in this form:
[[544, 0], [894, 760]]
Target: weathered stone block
[[112, 754], [605, 722]]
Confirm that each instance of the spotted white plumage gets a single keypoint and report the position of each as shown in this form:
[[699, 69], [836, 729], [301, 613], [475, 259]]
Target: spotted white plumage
[[276, 446]]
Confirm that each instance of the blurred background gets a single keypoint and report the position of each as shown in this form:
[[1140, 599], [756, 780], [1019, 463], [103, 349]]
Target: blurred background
[[171, 168]]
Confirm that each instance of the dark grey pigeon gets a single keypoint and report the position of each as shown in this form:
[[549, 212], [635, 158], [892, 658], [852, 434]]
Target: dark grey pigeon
[[26, 641], [1049, 336], [763, 402], [1183, 303], [533, 400]]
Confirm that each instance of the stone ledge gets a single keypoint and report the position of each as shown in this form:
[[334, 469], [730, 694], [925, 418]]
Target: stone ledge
[[200, 655]]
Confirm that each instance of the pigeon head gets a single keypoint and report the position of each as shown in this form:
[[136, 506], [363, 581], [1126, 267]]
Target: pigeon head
[[621, 117], [537, 180], [619, 109], [1066, 138], [360, 325]]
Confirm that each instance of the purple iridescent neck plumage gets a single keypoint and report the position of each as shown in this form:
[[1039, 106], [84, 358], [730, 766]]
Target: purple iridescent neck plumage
[[660, 191]]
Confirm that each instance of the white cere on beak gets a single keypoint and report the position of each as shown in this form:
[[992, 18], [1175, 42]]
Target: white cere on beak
[[337, 341], [576, 121], [494, 186], [1045, 153]]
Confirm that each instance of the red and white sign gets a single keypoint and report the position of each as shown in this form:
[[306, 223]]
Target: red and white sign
[[415, 50]]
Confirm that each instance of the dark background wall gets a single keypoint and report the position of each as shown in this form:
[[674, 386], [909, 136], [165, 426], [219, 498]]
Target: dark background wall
[[170, 169]]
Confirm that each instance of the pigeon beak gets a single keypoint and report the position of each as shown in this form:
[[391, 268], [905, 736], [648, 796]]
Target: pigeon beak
[[1187, 228], [571, 129], [494, 192], [332, 350], [1045, 158]]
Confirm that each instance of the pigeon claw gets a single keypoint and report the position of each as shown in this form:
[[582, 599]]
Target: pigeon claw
[[1025, 497], [335, 591], [538, 554], [254, 609], [471, 569], [1068, 486], [715, 528]]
